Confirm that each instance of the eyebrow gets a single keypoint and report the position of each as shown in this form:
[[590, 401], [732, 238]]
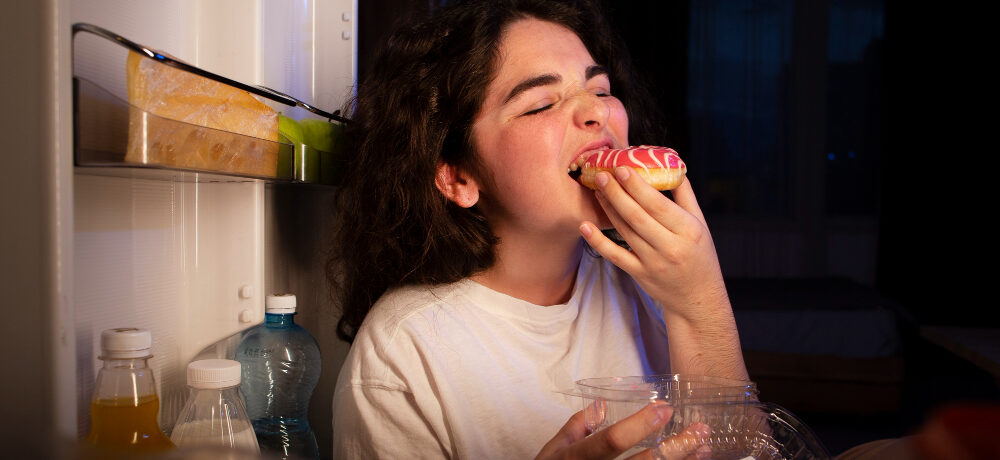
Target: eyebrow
[[548, 79], [596, 70]]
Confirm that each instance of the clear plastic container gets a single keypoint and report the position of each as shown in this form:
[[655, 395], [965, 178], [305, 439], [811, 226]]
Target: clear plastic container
[[739, 426], [214, 414], [281, 366], [620, 397], [741, 430], [124, 410]]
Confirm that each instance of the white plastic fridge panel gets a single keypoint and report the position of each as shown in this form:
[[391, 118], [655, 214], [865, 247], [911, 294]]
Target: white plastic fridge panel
[[305, 48], [182, 259], [220, 36], [335, 31], [308, 50]]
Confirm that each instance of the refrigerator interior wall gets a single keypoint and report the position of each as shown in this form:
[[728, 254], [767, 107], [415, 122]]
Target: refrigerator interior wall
[[182, 259], [299, 225], [191, 256]]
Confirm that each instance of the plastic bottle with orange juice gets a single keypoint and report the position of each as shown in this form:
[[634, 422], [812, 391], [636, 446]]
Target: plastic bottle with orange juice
[[123, 412]]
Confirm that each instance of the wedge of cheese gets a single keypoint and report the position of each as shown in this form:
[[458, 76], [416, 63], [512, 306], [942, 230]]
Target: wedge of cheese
[[171, 110]]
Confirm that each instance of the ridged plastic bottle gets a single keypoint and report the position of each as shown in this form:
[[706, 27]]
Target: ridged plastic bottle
[[214, 414], [281, 365], [124, 410]]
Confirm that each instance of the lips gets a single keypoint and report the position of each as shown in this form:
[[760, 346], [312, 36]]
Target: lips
[[586, 151]]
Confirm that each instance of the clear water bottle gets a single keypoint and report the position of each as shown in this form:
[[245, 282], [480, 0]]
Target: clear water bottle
[[281, 365], [214, 414], [124, 410]]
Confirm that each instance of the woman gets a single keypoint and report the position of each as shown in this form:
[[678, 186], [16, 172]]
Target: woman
[[463, 229]]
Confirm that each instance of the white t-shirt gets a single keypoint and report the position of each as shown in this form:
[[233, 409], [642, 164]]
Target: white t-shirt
[[463, 371]]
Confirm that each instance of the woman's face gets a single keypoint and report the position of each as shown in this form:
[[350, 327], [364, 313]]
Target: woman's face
[[549, 103]]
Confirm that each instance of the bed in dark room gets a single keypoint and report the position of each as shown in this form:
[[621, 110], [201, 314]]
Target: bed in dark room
[[821, 344]]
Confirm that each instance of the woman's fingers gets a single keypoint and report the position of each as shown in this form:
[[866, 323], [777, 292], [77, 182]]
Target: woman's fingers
[[684, 197], [572, 442], [636, 242], [689, 443], [615, 439], [644, 208], [574, 430], [621, 257]]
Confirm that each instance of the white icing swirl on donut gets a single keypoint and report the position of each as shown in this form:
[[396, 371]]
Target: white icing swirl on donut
[[643, 156]]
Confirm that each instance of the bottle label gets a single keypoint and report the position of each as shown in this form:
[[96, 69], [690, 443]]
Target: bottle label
[[258, 352]]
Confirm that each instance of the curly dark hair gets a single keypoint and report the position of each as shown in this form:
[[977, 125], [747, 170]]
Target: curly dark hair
[[414, 110]]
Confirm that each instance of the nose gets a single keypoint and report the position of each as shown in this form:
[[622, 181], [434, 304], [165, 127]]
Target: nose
[[591, 111]]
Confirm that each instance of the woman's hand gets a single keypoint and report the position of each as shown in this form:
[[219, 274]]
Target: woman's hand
[[572, 442], [673, 259]]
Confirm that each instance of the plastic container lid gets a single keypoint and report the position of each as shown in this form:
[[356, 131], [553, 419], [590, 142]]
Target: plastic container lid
[[761, 431], [213, 373], [126, 342], [621, 397], [279, 303]]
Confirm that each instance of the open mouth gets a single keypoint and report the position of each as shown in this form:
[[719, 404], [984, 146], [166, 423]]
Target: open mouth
[[575, 169]]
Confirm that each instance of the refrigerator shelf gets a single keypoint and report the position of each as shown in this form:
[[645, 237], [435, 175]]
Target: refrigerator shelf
[[114, 137]]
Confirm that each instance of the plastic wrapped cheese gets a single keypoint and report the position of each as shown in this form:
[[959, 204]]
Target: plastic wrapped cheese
[[171, 110]]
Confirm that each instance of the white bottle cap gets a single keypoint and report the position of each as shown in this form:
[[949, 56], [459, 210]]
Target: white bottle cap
[[280, 303], [125, 343], [213, 373]]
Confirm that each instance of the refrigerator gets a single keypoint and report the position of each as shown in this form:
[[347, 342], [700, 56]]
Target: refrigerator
[[190, 255]]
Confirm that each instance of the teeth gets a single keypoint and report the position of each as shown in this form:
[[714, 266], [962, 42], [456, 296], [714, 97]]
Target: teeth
[[576, 165]]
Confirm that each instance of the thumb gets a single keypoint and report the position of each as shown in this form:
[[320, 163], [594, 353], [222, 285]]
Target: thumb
[[621, 436]]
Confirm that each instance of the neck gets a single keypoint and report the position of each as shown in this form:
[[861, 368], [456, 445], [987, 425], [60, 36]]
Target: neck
[[278, 319], [540, 271]]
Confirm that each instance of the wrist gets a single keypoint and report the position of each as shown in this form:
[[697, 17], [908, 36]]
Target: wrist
[[703, 308], [705, 340]]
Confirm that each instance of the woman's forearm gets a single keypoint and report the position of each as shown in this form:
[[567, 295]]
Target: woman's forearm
[[706, 345]]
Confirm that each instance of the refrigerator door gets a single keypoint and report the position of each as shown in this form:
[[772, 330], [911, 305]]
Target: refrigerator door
[[185, 255], [37, 391]]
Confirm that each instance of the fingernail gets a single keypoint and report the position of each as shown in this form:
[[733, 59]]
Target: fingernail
[[701, 430], [622, 173], [601, 179], [586, 230], [663, 413]]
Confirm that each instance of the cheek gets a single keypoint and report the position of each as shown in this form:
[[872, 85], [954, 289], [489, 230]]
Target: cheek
[[618, 121], [526, 145], [508, 155]]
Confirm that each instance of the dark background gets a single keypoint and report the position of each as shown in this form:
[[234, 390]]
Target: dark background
[[830, 141]]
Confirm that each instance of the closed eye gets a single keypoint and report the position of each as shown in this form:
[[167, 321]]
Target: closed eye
[[538, 110]]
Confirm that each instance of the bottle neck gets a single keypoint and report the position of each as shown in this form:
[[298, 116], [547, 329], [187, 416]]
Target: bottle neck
[[209, 397], [126, 363], [123, 380], [279, 319], [230, 389]]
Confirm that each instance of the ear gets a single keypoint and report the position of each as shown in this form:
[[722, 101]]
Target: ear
[[456, 185]]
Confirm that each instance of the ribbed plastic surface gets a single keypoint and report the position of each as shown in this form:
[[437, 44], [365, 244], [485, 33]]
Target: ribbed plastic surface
[[213, 373], [127, 342]]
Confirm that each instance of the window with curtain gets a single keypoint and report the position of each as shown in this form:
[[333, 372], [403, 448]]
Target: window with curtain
[[854, 107], [752, 63]]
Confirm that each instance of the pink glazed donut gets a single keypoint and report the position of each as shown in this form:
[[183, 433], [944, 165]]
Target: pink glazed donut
[[660, 167]]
